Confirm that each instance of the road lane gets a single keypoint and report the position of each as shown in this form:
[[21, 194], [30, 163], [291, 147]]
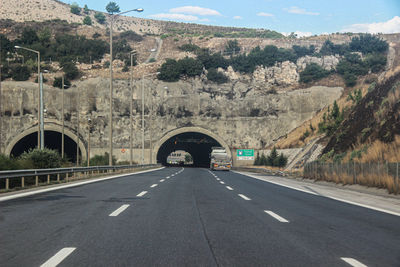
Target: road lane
[[370, 236], [193, 220]]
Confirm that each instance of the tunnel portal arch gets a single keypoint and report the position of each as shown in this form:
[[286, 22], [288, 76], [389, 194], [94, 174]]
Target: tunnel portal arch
[[50, 132], [195, 140]]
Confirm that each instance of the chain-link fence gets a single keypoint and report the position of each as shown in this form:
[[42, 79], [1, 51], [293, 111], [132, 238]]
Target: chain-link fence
[[381, 175]]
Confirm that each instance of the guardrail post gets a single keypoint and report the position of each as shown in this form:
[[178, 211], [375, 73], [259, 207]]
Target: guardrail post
[[37, 180], [22, 181], [58, 177], [66, 177], [7, 183], [48, 178], [354, 173]]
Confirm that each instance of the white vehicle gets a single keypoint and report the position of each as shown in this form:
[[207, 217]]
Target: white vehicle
[[219, 159]]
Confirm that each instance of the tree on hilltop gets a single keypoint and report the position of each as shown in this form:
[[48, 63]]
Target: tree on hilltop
[[100, 17], [112, 8], [75, 9]]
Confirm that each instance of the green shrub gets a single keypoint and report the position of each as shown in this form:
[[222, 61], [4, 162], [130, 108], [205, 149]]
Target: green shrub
[[20, 73], [367, 43], [58, 82], [211, 61], [7, 163], [75, 9], [190, 66], [86, 9], [131, 36], [189, 47], [169, 71], [100, 18], [313, 72], [87, 20], [42, 159], [376, 62], [70, 70], [216, 76], [101, 160]]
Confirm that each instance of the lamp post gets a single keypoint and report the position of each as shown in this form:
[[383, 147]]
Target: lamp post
[[77, 130], [40, 104], [111, 79], [1, 110], [131, 115], [90, 129], [62, 117]]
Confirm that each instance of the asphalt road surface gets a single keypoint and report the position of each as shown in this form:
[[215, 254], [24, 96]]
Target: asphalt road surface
[[192, 217]]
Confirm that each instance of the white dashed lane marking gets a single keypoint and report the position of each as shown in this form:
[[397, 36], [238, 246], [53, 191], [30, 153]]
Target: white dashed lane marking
[[229, 188], [119, 210], [153, 185], [276, 216], [141, 194], [244, 197], [353, 262], [222, 182], [162, 180], [58, 258]]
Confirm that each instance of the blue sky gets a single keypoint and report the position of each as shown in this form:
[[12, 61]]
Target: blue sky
[[305, 17]]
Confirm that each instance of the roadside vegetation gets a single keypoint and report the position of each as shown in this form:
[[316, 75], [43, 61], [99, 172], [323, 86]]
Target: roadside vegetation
[[272, 160], [364, 54]]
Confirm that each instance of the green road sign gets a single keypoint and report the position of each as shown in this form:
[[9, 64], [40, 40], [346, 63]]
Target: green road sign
[[245, 154]]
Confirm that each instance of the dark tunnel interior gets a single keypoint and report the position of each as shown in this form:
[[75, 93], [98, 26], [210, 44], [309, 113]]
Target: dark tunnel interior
[[197, 144], [52, 140]]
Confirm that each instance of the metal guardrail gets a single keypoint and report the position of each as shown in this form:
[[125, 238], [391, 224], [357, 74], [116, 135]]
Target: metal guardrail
[[12, 174]]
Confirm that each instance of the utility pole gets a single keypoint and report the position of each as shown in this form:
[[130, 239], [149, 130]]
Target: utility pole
[[1, 110], [62, 117], [77, 130]]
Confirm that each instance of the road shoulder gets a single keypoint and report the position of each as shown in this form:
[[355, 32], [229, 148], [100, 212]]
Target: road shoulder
[[388, 204]]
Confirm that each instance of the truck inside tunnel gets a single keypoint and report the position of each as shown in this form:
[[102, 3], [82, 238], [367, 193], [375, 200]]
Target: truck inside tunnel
[[197, 144], [52, 140]]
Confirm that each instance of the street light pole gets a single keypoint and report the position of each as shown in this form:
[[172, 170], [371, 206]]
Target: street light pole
[[111, 81], [39, 93], [77, 130], [62, 116], [131, 110]]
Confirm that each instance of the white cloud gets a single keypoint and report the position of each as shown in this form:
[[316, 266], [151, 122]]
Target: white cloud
[[299, 34], [175, 17], [390, 26], [195, 10], [301, 11], [264, 14], [237, 17]]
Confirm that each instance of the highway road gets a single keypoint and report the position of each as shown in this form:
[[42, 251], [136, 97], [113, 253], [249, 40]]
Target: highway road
[[192, 217]]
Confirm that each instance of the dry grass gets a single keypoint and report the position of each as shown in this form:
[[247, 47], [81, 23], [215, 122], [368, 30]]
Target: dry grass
[[378, 151], [370, 179]]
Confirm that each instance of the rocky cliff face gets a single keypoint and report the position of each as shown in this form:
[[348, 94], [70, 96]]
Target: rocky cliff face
[[243, 115]]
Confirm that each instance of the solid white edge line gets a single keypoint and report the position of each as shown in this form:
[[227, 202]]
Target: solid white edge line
[[353, 262], [229, 188], [153, 185], [244, 197], [276, 216], [334, 198], [58, 257], [141, 194], [162, 180], [119, 210], [25, 194]]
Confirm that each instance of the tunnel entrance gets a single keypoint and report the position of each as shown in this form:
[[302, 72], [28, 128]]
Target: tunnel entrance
[[198, 145], [52, 140]]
